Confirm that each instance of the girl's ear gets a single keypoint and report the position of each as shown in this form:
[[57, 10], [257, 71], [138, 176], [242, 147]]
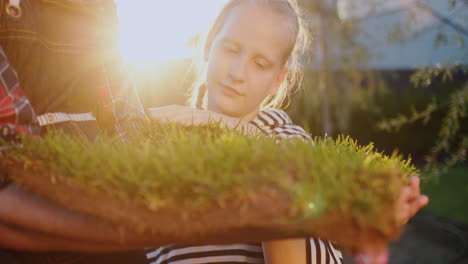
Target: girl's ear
[[279, 79]]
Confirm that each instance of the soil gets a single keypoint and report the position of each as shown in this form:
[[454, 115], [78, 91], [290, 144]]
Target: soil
[[246, 221]]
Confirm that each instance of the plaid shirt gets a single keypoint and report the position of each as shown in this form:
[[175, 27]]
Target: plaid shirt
[[16, 113], [86, 76], [118, 108]]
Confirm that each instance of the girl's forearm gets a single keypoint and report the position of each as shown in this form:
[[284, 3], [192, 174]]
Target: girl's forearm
[[242, 126], [285, 251]]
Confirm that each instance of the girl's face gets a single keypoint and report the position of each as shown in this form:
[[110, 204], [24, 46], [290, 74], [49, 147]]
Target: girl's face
[[246, 60]]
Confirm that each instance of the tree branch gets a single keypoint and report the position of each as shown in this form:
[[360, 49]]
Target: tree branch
[[444, 19]]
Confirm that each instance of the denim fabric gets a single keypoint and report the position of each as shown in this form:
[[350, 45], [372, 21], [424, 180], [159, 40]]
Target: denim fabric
[[58, 48]]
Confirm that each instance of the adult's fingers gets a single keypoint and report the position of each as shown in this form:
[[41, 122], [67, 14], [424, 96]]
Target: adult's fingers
[[416, 204], [409, 208], [414, 184], [404, 203], [373, 255], [405, 195]]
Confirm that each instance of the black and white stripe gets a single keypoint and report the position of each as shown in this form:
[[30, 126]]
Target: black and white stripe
[[322, 252], [235, 253], [275, 123]]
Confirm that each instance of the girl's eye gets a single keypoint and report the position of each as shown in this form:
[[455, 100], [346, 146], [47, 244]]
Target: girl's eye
[[261, 64]]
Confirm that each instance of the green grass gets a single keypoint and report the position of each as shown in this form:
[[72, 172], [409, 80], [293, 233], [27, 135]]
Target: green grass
[[169, 165], [449, 194]]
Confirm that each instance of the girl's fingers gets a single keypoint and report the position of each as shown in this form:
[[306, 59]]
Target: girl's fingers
[[184, 115], [168, 114], [171, 111]]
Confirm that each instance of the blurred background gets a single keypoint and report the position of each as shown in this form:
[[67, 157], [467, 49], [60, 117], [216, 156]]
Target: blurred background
[[394, 73]]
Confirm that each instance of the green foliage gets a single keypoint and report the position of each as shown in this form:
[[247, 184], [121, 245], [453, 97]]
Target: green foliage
[[396, 123], [159, 165], [449, 132], [450, 139], [426, 75]]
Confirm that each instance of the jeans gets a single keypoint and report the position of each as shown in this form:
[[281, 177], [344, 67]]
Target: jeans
[[59, 48]]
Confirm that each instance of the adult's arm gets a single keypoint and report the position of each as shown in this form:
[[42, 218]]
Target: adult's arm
[[15, 238], [32, 222], [35, 223], [26, 211]]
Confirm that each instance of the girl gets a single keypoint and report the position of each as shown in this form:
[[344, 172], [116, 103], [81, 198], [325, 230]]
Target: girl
[[251, 60]]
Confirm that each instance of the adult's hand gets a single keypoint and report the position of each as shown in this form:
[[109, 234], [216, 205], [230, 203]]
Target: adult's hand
[[410, 200], [189, 116]]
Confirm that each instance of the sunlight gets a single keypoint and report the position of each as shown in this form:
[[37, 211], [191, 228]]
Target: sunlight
[[154, 31]]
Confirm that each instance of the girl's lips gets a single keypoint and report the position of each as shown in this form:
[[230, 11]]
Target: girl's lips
[[230, 91]]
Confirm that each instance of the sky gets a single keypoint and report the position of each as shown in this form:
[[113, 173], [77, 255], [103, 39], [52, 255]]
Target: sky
[[159, 30]]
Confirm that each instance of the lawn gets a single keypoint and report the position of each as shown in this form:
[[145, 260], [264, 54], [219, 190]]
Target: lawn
[[449, 194]]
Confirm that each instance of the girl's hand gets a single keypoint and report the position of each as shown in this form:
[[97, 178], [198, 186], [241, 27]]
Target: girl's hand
[[410, 201], [189, 116]]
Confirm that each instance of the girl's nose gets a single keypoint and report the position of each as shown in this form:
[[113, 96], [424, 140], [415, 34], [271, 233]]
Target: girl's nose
[[238, 69]]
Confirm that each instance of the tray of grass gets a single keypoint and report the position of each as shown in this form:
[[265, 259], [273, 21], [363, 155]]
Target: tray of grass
[[194, 182]]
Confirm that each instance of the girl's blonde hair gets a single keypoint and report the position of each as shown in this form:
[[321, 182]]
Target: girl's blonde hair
[[293, 59]]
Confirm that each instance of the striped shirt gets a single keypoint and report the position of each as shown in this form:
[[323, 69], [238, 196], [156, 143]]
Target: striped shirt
[[278, 124]]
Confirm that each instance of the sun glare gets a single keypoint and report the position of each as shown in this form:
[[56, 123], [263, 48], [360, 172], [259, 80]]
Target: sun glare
[[152, 31]]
